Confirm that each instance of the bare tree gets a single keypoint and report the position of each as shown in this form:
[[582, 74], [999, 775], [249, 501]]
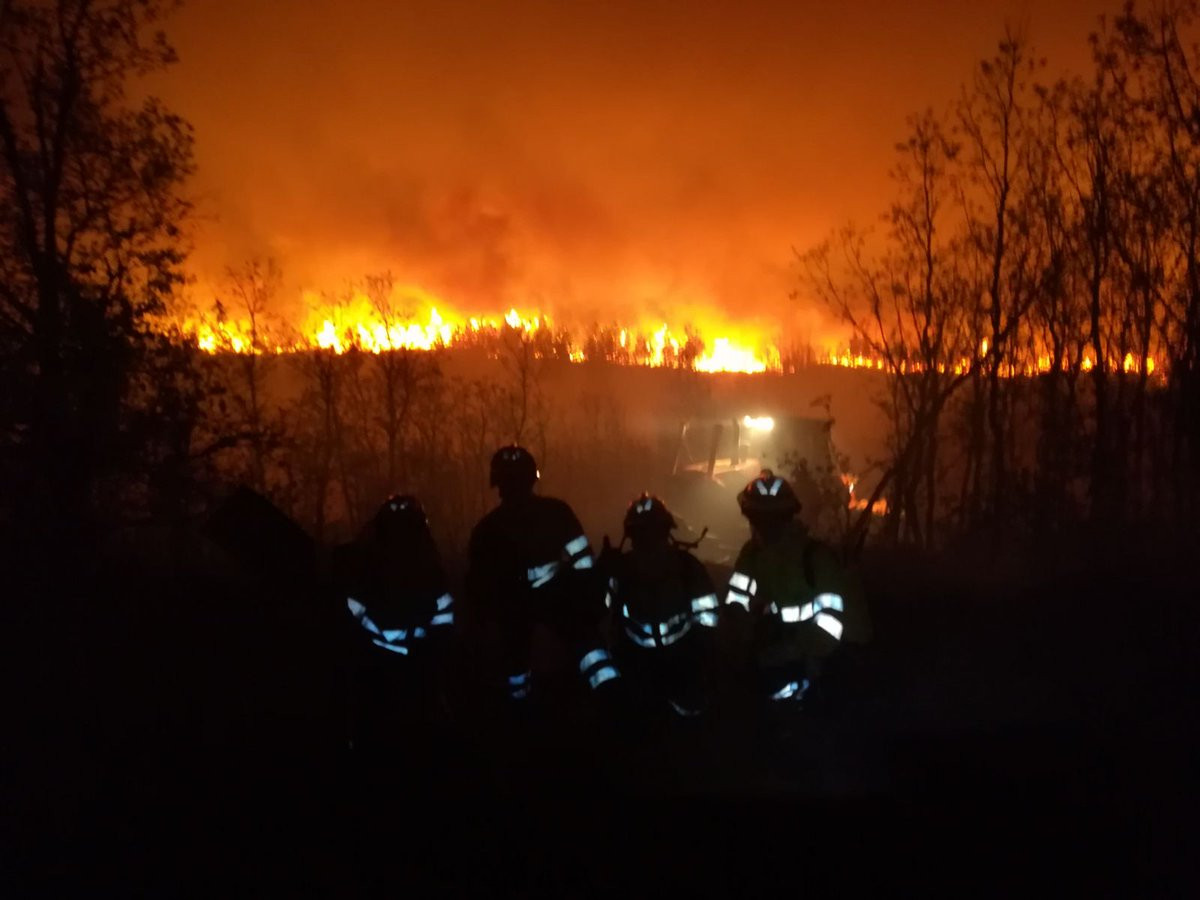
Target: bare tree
[[523, 355], [907, 310], [252, 289], [1057, 329], [401, 373], [993, 122], [317, 433], [1157, 60]]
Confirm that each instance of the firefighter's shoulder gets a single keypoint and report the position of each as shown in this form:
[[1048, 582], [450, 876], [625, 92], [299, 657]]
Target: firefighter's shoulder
[[554, 509]]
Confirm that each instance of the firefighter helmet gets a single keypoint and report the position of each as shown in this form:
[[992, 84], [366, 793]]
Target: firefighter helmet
[[769, 495], [514, 465], [400, 514], [402, 508], [647, 515]]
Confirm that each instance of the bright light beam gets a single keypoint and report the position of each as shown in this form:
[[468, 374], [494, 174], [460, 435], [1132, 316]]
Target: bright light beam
[[759, 423]]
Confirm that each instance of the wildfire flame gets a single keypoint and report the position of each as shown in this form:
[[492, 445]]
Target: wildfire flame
[[707, 345], [1130, 364], [359, 324]]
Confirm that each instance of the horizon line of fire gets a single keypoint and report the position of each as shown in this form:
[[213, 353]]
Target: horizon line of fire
[[646, 347]]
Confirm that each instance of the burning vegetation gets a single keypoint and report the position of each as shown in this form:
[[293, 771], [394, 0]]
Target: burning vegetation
[[362, 324], [368, 325]]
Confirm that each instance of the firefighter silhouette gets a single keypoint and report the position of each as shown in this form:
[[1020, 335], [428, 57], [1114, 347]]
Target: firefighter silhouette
[[530, 563], [803, 604], [664, 608], [400, 616]]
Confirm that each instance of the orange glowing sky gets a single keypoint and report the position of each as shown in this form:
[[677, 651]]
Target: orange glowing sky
[[574, 156]]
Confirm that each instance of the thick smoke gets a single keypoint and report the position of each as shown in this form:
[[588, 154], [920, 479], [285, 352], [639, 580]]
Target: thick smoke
[[615, 160]]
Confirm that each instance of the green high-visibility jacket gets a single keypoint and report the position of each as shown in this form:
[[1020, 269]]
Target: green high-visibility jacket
[[804, 600]]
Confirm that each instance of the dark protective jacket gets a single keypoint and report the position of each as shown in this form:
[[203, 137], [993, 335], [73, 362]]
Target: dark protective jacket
[[530, 554], [658, 595], [401, 601]]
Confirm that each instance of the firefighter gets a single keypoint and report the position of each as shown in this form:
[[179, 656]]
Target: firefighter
[[401, 617], [530, 563], [663, 606], [803, 605]]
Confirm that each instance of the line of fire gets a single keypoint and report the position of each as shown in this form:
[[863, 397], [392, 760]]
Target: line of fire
[[370, 325]]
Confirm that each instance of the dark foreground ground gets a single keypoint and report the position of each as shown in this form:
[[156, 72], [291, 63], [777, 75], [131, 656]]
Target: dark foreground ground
[[1014, 727]]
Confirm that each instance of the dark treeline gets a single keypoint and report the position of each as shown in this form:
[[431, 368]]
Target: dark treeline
[[1036, 294]]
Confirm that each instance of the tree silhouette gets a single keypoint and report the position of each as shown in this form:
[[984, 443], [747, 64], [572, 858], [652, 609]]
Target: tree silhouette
[[1062, 289], [90, 240]]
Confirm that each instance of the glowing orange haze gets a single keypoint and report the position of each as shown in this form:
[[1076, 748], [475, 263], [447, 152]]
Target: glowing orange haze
[[551, 157], [554, 156]]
